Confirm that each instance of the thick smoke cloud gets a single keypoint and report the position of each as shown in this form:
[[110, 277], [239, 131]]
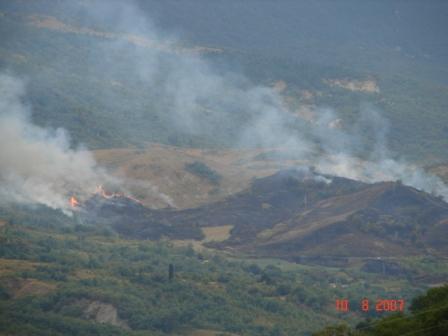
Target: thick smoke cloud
[[37, 165]]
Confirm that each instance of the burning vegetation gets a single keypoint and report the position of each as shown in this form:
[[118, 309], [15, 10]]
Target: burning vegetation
[[74, 202], [102, 193]]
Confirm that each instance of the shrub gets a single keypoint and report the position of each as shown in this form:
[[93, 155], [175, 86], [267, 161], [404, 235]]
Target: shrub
[[203, 171]]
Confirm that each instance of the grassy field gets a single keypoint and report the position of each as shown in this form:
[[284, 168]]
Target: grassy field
[[162, 168]]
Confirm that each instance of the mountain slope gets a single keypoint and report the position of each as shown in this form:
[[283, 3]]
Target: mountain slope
[[297, 213], [79, 80], [384, 219]]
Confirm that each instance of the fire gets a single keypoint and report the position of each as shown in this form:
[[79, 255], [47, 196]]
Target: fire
[[101, 191], [74, 202]]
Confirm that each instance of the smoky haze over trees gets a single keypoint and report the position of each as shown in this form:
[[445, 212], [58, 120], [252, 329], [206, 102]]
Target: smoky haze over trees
[[121, 79], [313, 30]]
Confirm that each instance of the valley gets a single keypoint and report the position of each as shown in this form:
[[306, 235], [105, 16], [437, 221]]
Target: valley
[[286, 242], [240, 168]]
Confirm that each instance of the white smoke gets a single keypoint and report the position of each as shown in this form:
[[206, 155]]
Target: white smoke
[[342, 151], [37, 165]]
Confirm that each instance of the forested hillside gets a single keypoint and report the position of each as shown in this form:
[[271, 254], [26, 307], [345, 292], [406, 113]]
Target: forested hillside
[[324, 55], [62, 276]]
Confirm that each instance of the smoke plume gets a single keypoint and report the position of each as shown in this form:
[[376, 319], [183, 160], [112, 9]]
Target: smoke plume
[[190, 95], [37, 165]]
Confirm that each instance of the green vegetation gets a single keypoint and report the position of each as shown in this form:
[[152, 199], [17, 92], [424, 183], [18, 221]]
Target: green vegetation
[[55, 269], [50, 273], [428, 317], [103, 102], [202, 170]]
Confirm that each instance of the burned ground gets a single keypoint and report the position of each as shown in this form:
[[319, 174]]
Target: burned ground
[[293, 214]]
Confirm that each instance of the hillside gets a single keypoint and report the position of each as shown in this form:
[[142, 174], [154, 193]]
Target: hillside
[[75, 279], [81, 280], [296, 215], [223, 168], [385, 219], [164, 169], [123, 101]]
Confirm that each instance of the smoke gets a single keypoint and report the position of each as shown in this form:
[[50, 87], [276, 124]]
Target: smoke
[[343, 151], [37, 165], [159, 83]]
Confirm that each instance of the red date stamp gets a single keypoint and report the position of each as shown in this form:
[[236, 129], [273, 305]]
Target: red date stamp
[[380, 305]]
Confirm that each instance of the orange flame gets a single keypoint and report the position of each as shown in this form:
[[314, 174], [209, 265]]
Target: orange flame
[[101, 191], [74, 202]]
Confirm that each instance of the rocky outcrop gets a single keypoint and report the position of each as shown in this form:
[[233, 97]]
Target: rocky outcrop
[[104, 313]]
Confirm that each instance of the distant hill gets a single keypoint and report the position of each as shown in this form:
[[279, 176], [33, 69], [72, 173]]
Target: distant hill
[[406, 31]]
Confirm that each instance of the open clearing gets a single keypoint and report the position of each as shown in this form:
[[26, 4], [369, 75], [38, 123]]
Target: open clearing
[[163, 180]]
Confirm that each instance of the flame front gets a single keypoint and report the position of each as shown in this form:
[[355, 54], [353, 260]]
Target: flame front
[[101, 191], [74, 202]]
